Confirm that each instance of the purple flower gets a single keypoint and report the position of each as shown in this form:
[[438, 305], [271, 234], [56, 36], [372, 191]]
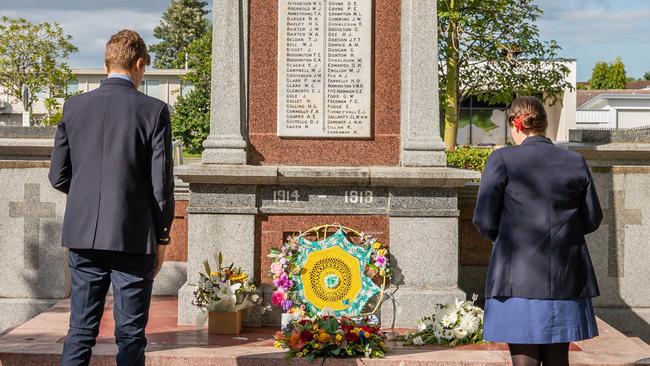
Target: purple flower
[[286, 305], [283, 282]]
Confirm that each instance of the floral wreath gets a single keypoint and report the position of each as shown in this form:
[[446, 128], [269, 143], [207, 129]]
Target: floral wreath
[[334, 274]]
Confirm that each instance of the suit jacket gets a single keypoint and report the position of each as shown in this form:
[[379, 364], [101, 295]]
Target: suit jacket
[[113, 158], [536, 202]]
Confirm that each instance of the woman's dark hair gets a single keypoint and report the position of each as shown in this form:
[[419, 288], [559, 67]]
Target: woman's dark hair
[[532, 110]]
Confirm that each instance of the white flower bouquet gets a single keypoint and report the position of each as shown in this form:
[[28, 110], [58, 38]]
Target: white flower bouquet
[[453, 324], [226, 290]]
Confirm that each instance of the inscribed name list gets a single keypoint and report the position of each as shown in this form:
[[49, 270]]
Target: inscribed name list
[[324, 68]]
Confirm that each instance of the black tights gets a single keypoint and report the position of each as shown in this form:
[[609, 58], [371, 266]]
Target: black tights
[[555, 354]]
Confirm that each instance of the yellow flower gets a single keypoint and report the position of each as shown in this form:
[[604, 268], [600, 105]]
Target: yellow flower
[[324, 337], [213, 273], [278, 344], [382, 252], [339, 337], [382, 273], [366, 334], [376, 245], [241, 277]]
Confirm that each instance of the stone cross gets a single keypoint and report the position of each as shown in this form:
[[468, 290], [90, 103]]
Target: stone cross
[[616, 216], [31, 210]]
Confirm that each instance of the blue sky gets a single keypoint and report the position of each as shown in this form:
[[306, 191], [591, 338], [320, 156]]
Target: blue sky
[[588, 30]]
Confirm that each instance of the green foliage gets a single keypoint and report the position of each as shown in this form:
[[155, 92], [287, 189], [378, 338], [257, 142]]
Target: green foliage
[[33, 55], [191, 118], [467, 157], [608, 75], [646, 76], [616, 75], [182, 23], [492, 49], [54, 112]]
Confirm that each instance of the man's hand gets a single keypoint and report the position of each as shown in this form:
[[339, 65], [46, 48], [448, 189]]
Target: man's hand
[[160, 258]]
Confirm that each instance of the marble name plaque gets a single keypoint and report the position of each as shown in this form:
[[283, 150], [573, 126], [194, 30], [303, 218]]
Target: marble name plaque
[[324, 68]]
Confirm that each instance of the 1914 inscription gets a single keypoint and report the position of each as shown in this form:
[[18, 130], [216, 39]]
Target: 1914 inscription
[[324, 68]]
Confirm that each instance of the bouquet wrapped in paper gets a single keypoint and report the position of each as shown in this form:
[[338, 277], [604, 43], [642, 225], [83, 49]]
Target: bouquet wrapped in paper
[[452, 324], [223, 289]]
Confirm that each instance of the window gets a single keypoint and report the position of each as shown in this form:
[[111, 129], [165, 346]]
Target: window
[[151, 88], [186, 88], [480, 123], [72, 87]]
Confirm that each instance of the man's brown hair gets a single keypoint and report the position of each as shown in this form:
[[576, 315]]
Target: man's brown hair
[[124, 49]]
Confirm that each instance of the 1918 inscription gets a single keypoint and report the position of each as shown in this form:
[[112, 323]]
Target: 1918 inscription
[[324, 68]]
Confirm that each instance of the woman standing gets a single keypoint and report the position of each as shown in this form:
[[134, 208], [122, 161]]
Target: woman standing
[[536, 202]]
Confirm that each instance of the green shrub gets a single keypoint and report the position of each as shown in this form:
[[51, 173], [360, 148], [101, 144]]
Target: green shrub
[[191, 120], [468, 157]]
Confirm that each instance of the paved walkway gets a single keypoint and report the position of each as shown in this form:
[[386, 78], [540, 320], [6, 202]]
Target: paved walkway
[[40, 341]]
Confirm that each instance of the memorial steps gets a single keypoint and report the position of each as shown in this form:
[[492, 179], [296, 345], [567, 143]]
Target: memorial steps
[[40, 342]]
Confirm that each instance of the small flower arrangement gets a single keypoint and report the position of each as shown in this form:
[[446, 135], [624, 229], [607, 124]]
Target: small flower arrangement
[[226, 289], [452, 324], [327, 336]]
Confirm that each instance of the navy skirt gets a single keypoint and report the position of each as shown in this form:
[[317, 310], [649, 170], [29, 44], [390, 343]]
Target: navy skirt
[[530, 321]]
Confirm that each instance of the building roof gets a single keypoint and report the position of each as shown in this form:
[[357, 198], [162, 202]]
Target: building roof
[[150, 72], [585, 96], [639, 84]]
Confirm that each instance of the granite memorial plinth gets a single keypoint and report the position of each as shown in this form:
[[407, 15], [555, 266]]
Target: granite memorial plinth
[[325, 112]]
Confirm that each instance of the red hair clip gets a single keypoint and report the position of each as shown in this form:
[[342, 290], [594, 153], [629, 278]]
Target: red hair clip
[[518, 122]]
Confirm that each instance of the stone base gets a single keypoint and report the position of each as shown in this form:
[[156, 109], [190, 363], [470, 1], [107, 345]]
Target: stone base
[[404, 306], [224, 156], [187, 312], [631, 321], [424, 158], [170, 279], [17, 311]]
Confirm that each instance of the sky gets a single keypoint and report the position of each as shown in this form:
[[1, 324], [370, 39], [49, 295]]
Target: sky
[[587, 30]]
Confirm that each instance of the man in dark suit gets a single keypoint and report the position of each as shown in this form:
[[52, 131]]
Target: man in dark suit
[[113, 158]]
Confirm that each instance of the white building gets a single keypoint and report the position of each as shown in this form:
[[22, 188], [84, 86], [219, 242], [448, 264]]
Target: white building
[[482, 124], [622, 108], [165, 85]]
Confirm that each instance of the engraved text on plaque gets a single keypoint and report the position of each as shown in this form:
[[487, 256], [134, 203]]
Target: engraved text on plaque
[[324, 68]]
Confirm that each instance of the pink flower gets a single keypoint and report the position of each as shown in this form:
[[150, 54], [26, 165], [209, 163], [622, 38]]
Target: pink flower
[[277, 298], [276, 268], [283, 261], [380, 261]]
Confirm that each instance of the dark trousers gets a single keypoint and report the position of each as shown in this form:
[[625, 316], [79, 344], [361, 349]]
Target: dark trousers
[[92, 272]]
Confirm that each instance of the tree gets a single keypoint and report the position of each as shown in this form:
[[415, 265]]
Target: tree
[[491, 49], [608, 75], [33, 55], [599, 76], [616, 75], [182, 23], [646, 76], [191, 118]]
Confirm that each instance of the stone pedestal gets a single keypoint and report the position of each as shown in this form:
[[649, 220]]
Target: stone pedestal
[[238, 210], [620, 164], [33, 263], [392, 182]]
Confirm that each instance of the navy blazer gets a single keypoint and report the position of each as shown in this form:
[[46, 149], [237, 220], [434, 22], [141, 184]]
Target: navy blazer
[[113, 158], [536, 202]]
